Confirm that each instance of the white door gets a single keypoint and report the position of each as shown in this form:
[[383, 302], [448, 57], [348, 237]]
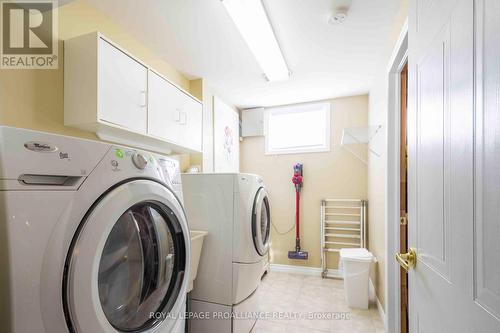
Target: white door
[[226, 137], [454, 188], [164, 110], [191, 122], [122, 89]]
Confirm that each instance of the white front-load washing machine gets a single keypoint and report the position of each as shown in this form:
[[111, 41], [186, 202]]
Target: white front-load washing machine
[[235, 210], [93, 237]]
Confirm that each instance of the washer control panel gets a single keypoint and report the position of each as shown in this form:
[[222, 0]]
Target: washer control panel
[[170, 168]]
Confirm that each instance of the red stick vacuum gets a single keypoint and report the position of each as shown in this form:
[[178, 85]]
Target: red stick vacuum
[[297, 181]]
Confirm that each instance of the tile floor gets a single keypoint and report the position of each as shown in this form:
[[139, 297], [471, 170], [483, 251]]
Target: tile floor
[[287, 295]]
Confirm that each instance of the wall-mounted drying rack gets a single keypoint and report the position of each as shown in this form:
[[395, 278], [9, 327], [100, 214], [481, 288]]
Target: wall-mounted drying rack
[[359, 136]]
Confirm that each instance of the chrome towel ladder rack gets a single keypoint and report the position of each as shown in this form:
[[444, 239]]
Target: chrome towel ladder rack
[[343, 225]]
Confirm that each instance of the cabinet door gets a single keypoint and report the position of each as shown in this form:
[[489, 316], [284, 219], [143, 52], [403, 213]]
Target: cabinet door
[[164, 109], [122, 89], [252, 122], [191, 121]]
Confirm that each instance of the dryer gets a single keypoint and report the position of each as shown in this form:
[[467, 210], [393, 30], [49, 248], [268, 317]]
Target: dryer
[[93, 237], [235, 210]]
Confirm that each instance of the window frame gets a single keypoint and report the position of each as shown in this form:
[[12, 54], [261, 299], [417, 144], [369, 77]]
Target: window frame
[[299, 108]]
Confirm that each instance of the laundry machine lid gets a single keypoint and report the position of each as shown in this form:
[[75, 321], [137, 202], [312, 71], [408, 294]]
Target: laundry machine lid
[[127, 268], [261, 221]]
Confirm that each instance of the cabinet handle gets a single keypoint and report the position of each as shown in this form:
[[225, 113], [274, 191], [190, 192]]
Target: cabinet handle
[[185, 118], [144, 99], [177, 117]]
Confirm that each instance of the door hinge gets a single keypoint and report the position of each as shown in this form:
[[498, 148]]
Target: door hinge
[[403, 220]]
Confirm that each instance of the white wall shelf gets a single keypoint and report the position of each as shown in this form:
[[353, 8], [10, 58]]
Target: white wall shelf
[[359, 136]]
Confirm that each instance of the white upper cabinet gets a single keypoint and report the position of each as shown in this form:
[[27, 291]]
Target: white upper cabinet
[[191, 121], [173, 115], [111, 93], [164, 108], [252, 122], [123, 84]]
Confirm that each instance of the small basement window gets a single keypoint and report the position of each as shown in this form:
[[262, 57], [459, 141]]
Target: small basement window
[[303, 128]]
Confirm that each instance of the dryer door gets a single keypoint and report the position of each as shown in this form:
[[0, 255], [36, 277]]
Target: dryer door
[[127, 268], [261, 222]]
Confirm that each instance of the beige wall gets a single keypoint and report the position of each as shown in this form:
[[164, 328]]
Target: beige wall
[[336, 174], [33, 99], [377, 165]]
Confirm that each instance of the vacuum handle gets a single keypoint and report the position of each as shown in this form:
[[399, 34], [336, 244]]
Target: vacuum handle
[[297, 220]]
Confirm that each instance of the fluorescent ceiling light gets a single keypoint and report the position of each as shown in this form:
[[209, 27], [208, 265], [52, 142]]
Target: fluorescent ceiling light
[[251, 19]]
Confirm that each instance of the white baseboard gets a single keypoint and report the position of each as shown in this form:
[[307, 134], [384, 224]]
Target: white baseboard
[[334, 273], [381, 313], [380, 308], [372, 295], [316, 271]]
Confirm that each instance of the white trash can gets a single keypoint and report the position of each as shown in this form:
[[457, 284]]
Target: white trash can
[[355, 264]]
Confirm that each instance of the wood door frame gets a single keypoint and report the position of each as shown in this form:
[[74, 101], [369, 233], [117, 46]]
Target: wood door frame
[[392, 268]]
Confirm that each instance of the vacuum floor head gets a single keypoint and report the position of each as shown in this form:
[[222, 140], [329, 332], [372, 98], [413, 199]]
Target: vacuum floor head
[[303, 255]]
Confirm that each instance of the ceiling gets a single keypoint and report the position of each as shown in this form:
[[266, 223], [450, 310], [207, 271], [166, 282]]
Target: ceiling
[[198, 38]]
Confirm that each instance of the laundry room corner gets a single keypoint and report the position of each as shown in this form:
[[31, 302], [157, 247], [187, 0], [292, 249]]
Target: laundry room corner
[[334, 174]]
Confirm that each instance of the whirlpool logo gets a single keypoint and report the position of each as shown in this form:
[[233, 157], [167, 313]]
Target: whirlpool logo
[[29, 35]]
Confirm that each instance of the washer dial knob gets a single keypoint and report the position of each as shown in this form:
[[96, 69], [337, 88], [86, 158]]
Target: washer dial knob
[[139, 161]]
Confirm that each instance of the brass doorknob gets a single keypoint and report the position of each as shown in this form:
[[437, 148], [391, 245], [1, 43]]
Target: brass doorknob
[[407, 260]]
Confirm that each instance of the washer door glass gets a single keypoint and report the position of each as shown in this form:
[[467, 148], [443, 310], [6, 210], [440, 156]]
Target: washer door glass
[[265, 221], [137, 267], [261, 221]]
